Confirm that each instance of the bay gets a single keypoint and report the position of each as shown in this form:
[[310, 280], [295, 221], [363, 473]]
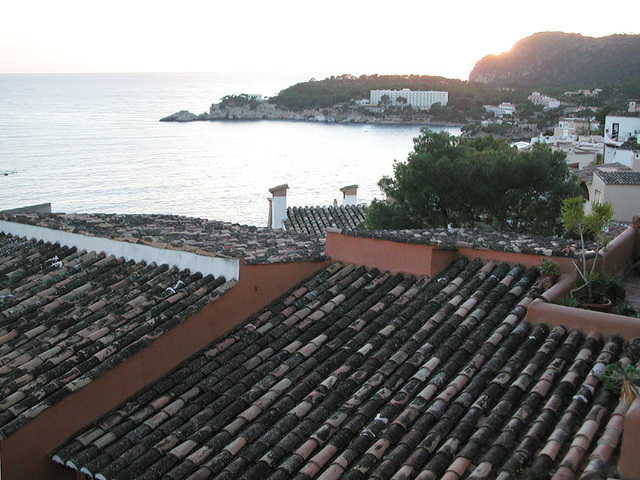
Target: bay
[[93, 143]]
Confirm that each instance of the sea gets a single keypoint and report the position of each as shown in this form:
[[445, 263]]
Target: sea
[[93, 143]]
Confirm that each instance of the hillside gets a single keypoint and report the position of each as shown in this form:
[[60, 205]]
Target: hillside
[[465, 100], [563, 60]]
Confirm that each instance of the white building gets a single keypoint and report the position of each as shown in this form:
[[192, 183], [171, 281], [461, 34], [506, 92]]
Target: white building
[[628, 153], [622, 128], [615, 184], [501, 110], [547, 102], [421, 100]]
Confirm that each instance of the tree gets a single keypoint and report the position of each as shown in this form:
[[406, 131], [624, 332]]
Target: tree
[[401, 101], [575, 220], [453, 181], [385, 99]]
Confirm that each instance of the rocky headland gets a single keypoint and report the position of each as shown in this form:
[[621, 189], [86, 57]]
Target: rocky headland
[[269, 111]]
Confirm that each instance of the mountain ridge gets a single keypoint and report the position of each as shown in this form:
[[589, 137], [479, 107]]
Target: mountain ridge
[[557, 59]]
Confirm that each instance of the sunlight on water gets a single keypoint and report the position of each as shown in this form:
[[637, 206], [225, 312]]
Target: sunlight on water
[[93, 143]]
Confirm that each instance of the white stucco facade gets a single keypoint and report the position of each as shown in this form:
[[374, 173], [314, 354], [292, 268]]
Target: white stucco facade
[[624, 199], [216, 266], [621, 128], [421, 100]]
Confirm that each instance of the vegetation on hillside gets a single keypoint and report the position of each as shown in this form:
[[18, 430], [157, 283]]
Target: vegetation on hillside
[[464, 98], [550, 60], [452, 181]]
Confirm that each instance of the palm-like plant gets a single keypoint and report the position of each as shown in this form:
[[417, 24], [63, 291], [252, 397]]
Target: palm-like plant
[[574, 219]]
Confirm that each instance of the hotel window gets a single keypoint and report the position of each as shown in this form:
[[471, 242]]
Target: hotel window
[[597, 197]]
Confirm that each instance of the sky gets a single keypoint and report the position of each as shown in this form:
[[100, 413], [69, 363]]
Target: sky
[[331, 37]]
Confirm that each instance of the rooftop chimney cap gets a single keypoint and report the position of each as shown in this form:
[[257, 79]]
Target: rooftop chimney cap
[[279, 188], [348, 187]]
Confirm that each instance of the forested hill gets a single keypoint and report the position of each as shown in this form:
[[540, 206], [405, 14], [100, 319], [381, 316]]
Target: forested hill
[[344, 88], [559, 60]]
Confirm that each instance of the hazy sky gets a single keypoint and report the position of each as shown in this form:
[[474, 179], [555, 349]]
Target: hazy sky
[[329, 37]]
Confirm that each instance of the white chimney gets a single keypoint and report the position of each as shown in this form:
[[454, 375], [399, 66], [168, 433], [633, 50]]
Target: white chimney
[[278, 206], [349, 195]]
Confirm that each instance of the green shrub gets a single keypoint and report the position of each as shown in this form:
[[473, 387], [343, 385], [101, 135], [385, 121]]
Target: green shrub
[[567, 301]]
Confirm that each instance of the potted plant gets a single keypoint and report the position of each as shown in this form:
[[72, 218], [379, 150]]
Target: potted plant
[[575, 220], [624, 379], [549, 271]]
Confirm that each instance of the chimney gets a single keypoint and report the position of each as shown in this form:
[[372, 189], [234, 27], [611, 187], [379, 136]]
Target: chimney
[[349, 195], [278, 206]]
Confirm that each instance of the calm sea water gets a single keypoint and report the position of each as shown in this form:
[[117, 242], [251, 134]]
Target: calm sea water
[[93, 143]]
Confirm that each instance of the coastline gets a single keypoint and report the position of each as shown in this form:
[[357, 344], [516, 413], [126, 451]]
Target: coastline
[[268, 111]]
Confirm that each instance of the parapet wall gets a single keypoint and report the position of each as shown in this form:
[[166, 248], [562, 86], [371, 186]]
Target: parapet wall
[[25, 453], [229, 268], [419, 259]]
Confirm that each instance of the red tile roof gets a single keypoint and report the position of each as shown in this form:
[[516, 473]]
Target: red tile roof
[[359, 374], [68, 316], [196, 235], [315, 220]]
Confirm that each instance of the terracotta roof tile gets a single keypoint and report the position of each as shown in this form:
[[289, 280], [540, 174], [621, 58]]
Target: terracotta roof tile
[[315, 220], [487, 238], [359, 374], [67, 317], [619, 177], [196, 235]]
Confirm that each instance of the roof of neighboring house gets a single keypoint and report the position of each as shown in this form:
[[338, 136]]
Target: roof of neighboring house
[[630, 145], [623, 113], [619, 177], [487, 238], [315, 220], [207, 237], [360, 373], [586, 174], [68, 316]]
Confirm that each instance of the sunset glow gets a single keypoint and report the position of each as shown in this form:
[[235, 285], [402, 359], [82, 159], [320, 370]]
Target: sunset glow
[[333, 37]]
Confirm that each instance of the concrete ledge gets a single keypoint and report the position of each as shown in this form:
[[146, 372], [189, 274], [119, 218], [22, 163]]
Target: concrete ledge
[[216, 266], [40, 208], [629, 465], [561, 288], [586, 320]]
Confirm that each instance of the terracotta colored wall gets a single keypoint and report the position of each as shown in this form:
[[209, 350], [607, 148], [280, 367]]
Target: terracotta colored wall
[[419, 259], [629, 465], [586, 320], [387, 255], [25, 452], [621, 251]]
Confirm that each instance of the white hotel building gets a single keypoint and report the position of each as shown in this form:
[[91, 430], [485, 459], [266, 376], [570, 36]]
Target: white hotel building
[[421, 100]]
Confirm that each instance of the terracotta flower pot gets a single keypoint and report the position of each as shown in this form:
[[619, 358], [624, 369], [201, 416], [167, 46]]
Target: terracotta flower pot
[[598, 307]]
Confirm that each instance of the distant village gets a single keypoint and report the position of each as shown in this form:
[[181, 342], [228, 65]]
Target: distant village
[[608, 165]]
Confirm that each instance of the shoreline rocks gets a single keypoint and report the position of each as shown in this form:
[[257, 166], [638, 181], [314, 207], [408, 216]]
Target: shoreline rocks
[[185, 116], [270, 111]]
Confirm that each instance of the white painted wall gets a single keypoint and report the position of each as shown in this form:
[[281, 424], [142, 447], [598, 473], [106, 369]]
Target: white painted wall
[[350, 200], [278, 211], [627, 127], [216, 266]]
